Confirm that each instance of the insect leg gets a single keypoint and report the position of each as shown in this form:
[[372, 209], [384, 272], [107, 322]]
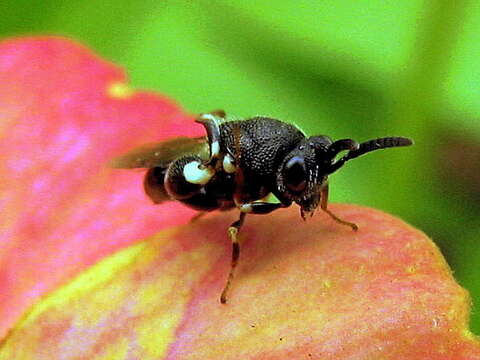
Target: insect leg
[[259, 207], [232, 234], [211, 122], [323, 205]]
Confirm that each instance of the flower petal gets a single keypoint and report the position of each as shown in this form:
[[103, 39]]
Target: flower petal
[[64, 113], [303, 290]]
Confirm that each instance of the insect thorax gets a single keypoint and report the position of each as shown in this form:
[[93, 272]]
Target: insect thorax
[[260, 143]]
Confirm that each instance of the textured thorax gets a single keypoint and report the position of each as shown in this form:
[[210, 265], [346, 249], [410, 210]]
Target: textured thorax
[[263, 142]]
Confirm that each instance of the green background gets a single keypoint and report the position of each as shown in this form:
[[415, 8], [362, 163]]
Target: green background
[[346, 68]]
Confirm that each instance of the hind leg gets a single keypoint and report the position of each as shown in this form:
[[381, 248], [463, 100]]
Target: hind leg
[[185, 181], [211, 122]]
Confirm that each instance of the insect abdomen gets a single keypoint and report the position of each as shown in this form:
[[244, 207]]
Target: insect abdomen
[[153, 185]]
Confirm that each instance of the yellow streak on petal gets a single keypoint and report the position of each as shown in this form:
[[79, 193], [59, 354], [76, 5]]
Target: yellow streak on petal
[[120, 90], [155, 334], [140, 292], [87, 281]]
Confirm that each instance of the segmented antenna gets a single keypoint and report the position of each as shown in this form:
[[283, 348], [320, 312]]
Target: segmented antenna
[[341, 145], [368, 146]]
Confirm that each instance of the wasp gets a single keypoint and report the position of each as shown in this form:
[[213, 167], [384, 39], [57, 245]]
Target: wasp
[[255, 165]]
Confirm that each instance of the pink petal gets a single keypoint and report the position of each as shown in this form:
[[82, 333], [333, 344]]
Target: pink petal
[[64, 114]]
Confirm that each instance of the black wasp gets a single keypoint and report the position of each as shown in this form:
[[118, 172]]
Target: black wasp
[[256, 165]]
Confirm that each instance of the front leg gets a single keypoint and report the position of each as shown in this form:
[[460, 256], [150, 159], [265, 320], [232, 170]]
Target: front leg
[[232, 234], [323, 205], [211, 122]]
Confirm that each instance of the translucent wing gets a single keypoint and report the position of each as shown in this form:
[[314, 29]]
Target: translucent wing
[[162, 154]]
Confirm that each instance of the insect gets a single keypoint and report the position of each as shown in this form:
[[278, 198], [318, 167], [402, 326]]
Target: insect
[[257, 166]]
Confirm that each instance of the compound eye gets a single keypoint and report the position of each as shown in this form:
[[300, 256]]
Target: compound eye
[[295, 174]]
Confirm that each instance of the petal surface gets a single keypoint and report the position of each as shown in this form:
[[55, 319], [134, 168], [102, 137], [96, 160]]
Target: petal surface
[[312, 290], [64, 114]]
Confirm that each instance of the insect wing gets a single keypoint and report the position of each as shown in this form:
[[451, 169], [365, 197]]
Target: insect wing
[[161, 154]]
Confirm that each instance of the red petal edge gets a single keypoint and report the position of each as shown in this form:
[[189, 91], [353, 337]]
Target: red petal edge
[[64, 113]]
